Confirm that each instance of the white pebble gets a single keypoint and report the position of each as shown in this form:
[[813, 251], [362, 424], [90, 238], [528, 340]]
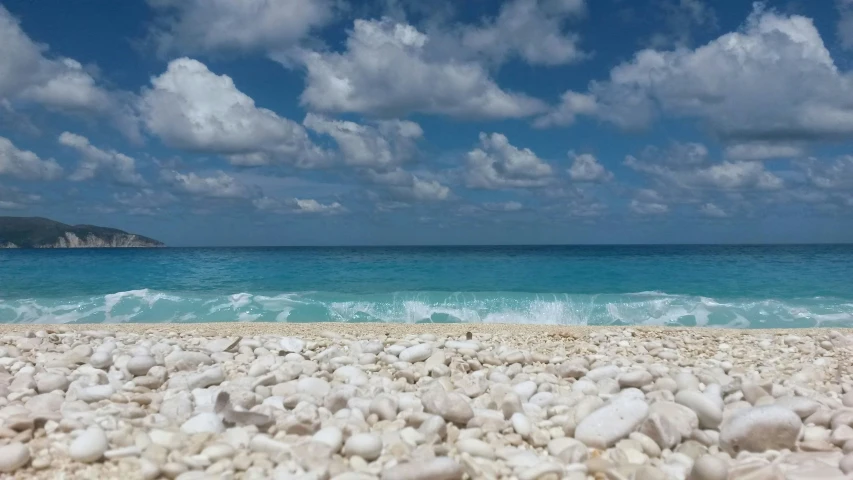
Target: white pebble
[[89, 446], [366, 445], [140, 365], [13, 456], [203, 423]]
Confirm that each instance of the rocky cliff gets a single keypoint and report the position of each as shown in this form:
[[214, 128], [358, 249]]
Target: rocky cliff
[[36, 232]]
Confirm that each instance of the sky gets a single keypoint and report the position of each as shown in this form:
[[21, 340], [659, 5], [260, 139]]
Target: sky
[[342, 122]]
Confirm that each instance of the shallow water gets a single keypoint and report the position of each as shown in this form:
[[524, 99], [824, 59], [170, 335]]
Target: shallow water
[[735, 286]]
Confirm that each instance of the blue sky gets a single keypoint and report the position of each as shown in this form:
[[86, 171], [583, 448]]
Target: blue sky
[[313, 122]]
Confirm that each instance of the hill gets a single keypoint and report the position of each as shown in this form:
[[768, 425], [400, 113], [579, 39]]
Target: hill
[[37, 232]]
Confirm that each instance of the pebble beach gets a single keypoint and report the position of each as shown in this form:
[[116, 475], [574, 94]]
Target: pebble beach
[[423, 402]]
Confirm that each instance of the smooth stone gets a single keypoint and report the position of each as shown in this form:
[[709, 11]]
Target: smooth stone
[[438, 468], [183, 361], [709, 467], [50, 382], [331, 436], [709, 414], [760, 428], [291, 344], [612, 422], [13, 456], [846, 464], [452, 407], [140, 365], [416, 353], [206, 422], [521, 424], [635, 378], [366, 445], [101, 360], [476, 448], [89, 446]]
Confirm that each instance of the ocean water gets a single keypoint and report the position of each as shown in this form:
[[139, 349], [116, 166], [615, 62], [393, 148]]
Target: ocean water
[[732, 286]]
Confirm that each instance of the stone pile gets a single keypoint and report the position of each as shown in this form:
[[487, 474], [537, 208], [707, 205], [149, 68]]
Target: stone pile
[[617, 404]]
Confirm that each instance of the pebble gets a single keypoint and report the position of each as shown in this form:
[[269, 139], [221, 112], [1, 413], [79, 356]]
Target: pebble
[[366, 445], [760, 428], [611, 403], [89, 446], [13, 456], [438, 468], [612, 422]]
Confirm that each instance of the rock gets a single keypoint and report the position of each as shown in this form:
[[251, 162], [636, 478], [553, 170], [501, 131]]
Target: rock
[[452, 407], [521, 424], [331, 436], [708, 412], [184, 361], [291, 345], [140, 365], [50, 382], [203, 423], [635, 379], [476, 448], [416, 353], [438, 468], [13, 456], [365, 445], [709, 467], [612, 422], [759, 429], [102, 360], [846, 464], [89, 446], [384, 406]]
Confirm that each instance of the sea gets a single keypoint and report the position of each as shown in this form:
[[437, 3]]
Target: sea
[[744, 286]]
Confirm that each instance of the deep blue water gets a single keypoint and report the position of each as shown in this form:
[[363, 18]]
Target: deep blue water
[[738, 286]]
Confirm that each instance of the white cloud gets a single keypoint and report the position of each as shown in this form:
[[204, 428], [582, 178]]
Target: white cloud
[[585, 168], [572, 104], [829, 175], [844, 29], [298, 205], [511, 206], [217, 185], [386, 70], [26, 165], [146, 201], [530, 29], [774, 79], [313, 206], [711, 210], [118, 166], [26, 74], [389, 143], [499, 164], [648, 202], [192, 108], [192, 26], [403, 185], [763, 151], [687, 166]]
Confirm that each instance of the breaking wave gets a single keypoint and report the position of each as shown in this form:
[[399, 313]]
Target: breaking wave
[[642, 308]]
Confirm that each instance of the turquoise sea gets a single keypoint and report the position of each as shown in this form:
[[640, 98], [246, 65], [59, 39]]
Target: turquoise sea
[[733, 286]]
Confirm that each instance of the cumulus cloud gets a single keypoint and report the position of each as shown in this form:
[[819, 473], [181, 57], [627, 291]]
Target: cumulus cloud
[[299, 205], [115, 165], [192, 108], [572, 104], [532, 30], [772, 80], [711, 210], [829, 175], [386, 70], [498, 164], [217, 185], [28, 75], [387, 144], [511, 206], [763, 151], [648, 202], [196, 26], [406, 186], [687, 166], [585, 168], [26, 165], [146, 201]]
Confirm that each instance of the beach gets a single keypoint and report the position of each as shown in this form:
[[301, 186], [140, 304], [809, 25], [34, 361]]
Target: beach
[[426, 401]]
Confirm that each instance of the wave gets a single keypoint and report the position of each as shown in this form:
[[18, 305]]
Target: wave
[[642, 308]]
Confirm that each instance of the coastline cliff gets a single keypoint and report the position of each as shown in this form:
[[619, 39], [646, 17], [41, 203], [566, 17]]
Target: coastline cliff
[[37, 232]]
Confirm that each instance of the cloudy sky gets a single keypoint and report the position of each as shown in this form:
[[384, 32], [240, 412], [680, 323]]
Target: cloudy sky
[[278, 122]]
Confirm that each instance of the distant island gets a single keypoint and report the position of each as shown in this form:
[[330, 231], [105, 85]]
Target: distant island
[[37, 232]]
